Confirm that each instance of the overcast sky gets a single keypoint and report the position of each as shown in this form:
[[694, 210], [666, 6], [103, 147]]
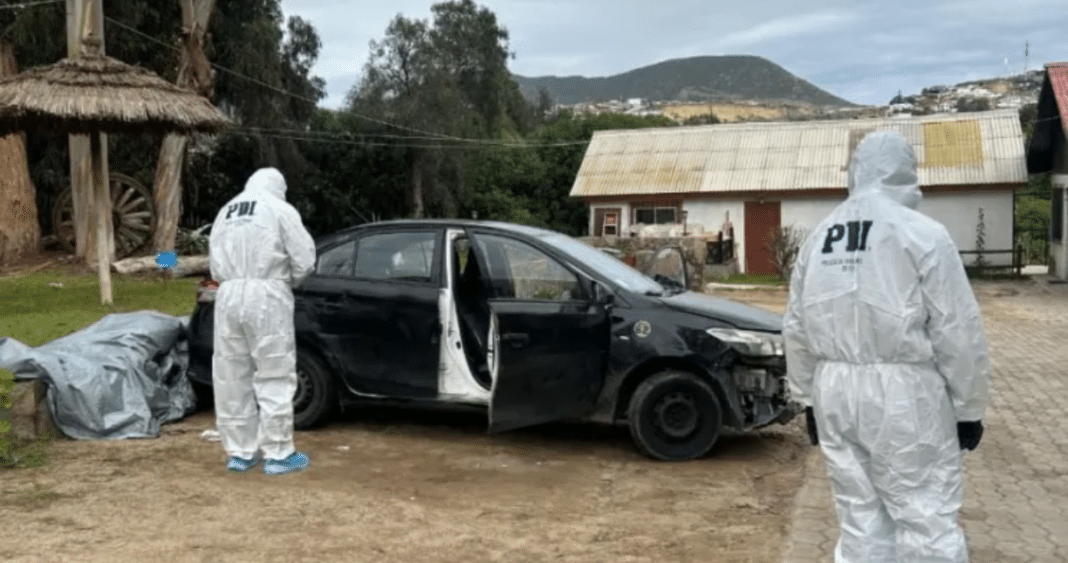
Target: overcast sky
[[862, 50]]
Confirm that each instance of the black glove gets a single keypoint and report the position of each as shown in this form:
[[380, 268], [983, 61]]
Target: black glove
[[969, 433], [810, 423]]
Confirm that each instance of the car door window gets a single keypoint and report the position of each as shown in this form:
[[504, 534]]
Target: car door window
[[397, 256], [521, 271], [337, 261]]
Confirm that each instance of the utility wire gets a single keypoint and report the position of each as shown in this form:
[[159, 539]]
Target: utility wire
[[293, 95], [350, 136], [28, 4], [296, 135]]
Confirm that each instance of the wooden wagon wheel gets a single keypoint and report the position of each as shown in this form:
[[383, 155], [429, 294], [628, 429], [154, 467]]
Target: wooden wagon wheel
[[133, 216]]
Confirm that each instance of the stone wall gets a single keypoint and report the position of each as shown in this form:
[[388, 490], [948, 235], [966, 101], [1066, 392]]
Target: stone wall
[[30, 417], [638, 251]]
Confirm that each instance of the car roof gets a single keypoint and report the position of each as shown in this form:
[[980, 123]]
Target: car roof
[[470, 223]]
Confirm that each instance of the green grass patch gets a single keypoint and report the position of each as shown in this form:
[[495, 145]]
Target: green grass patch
[[35, 309], [46, 305], [752, 279], [21, 454]]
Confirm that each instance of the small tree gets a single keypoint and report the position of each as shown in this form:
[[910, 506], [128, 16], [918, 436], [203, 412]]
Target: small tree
[[785, 244], [980, 244]]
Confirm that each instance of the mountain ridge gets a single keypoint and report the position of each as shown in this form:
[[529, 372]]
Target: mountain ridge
[[691, 79]]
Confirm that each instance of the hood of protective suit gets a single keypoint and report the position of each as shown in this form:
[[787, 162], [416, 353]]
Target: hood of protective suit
[[884, 162], [268, 180]]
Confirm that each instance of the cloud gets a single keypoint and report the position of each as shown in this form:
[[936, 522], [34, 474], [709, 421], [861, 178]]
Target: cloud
[[783, 29]]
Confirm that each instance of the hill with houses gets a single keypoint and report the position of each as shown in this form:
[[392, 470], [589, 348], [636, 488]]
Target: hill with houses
[[746, 88]]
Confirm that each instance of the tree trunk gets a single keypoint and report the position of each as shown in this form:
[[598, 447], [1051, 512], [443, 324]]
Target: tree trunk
[[20, 233], [102, 210], [194, 71], [167, 191]]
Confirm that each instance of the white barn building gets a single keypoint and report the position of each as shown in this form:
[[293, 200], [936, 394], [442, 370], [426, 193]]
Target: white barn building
[[762, 176]]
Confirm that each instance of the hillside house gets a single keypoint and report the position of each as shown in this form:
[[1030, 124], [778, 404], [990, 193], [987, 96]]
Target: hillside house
[[1048, 152], [762, 176]]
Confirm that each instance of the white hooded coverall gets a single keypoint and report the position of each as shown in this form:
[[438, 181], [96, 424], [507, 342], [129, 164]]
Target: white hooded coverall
[[885, 341], [259, 251]]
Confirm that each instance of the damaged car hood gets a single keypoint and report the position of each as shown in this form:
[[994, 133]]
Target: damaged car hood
[[738, 315]]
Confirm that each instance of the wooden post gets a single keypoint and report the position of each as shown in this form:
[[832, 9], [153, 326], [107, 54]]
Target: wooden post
[[103, 192], [193, 72], [86, 18], [97, 199]]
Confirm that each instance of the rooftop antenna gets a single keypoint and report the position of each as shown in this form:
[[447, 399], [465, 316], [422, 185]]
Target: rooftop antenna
[[1027, 47]]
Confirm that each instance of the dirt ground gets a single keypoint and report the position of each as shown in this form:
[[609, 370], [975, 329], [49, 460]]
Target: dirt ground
[[396, 485]]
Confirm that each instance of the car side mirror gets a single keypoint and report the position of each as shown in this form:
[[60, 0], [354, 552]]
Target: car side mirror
[[601, 295]]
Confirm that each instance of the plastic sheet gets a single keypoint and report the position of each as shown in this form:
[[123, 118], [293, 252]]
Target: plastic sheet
[[121, 377]]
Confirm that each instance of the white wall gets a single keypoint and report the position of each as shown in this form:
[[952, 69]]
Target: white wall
[[959, 212], [711, 214], [806, 213], [1059, 250]]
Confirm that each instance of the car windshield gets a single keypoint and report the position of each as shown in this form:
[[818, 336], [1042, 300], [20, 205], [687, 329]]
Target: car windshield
[[620, 273]]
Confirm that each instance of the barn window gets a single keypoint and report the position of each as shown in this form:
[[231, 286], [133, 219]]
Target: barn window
[[655, 215]]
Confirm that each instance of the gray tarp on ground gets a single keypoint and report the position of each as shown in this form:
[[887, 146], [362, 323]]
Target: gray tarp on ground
[[121, 377]]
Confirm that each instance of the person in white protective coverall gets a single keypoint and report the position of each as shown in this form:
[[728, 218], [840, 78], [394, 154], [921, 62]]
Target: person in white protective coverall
[[259, 251], [885, 348]]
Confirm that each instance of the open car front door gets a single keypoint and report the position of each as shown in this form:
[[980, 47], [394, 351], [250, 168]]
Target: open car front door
[[547, 360], [547, 347]]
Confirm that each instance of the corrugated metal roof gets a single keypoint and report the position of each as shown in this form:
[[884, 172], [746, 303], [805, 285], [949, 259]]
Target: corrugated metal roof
[[972, 148], [1058, 79]]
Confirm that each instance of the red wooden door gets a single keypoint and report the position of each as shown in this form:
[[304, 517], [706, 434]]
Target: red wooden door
[[761, 221]]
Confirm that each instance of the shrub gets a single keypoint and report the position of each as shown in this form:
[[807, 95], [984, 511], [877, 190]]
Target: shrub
[[785, 243]]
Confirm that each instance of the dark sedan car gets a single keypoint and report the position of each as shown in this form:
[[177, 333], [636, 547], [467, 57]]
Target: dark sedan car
[[532, 326]]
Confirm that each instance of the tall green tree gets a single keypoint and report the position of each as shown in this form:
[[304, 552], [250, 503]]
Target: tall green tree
[[437, 82], [271, 91]]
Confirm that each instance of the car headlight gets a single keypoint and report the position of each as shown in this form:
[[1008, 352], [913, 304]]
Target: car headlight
[[750, 342]]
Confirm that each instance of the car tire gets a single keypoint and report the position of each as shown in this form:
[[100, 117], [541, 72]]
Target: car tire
[[674, 416], [315, 399]]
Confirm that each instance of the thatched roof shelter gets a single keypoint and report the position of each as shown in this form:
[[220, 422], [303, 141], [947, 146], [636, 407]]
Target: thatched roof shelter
[[96, 93], [92, 94]]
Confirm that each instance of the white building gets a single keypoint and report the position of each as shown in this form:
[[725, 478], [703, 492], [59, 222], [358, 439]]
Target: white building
[[766, 175]]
